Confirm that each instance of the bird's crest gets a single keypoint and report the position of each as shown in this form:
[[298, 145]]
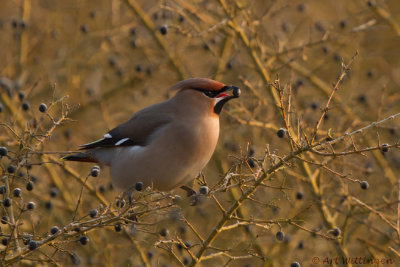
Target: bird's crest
[[197, 83]]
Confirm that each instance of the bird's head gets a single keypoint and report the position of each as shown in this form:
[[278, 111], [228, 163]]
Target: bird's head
[[202, 90]]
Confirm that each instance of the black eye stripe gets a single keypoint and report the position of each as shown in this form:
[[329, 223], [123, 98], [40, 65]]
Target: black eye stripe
[[210, 93]]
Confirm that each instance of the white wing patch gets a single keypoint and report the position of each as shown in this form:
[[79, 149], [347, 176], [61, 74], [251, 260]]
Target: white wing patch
[[107, 135], [121, 141]]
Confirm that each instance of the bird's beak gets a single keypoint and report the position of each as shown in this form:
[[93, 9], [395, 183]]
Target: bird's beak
[[224, 96], [227, 89]]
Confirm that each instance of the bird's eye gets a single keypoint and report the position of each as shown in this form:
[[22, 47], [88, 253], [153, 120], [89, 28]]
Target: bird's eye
[[209, 93]]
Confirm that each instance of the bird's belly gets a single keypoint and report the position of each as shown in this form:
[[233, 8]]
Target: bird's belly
[[169, 161], [163, 170]]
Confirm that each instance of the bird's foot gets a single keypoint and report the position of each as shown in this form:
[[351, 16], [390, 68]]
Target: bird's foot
[[192, 194], [189, 191]]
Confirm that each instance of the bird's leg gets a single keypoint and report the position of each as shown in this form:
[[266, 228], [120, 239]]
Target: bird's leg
[[189, 191], [128, 193], [130, 197]]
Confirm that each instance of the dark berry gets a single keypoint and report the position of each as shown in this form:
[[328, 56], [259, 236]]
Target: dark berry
[[42, 107], [163, 30], [163, 232], [139, 186], [5, 241], [364, 185], [118, 227], [281, 133], [300, 245], [150, 254], [21, 96], [337, 57], [111, 61], [301, 7], [132, 31], [284, 27], [336, 231], [95, 171], [93, 213], [342, 24], [54, 230], [182, 230], [14, 23], [251, 163], [319, 27], [30, 205], [32, 244], [11, 168], [203, 190], [384, 148], [120, 203], [48, 205], [4, 220], [314, 105], [148, 71], [102, 188], [29, 186], [3, 189], [279, 236], [25, 105], [84, 29], [362, 98], [22, 24], [187, 244], [251, 151], [53, 192], [236, 92], [92, 14], [3, 151], [138, 68], [299, 195], [17, 192], [325, 49], [370, 74], [185, 261], [7, 202], [295, 264], [84, 240]]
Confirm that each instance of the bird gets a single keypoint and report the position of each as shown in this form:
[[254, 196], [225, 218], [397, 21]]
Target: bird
[[165, 145]]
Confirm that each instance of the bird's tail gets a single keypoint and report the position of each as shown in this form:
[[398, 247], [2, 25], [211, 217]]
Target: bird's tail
[[83, 157]]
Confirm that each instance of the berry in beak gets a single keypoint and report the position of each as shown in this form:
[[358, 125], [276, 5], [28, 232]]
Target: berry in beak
[[222, 97]]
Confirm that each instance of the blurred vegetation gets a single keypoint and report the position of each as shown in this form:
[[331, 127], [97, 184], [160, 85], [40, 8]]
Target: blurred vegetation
[[319, 70]]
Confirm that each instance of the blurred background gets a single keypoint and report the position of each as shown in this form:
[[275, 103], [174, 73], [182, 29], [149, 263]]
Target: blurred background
[[114, 57]]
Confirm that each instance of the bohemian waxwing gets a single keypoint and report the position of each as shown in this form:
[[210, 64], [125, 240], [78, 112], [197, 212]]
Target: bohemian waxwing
[[167, 144]]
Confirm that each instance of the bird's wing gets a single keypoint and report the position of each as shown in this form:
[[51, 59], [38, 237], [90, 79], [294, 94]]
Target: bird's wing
[[136, 131]]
